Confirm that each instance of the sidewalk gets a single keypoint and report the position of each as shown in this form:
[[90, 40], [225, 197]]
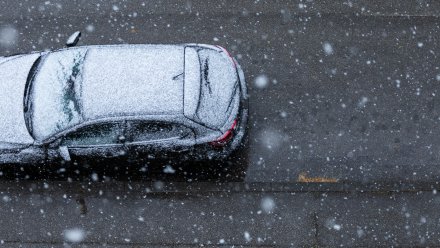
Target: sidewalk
[[156, 214]]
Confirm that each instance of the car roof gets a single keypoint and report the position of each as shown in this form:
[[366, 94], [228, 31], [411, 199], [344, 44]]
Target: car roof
[[132, 80], [86, 83]]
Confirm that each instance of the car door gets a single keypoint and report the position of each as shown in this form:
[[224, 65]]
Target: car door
[[157, 139], [21, 153], [95, 141]]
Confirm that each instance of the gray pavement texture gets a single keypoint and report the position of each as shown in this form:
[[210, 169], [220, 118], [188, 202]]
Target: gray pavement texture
[[351, 96], [364, 110], [119, 214]]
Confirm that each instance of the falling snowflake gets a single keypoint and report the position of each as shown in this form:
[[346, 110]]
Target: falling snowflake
[[261, 81], [267, 204], [247, 236], [328, 49], [8, 36], [74, 235]]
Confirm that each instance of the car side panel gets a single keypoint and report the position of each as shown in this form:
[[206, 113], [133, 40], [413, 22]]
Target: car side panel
[[21, 154], [96, 152]]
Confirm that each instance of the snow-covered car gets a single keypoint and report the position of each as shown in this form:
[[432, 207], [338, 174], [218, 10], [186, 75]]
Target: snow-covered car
[[139, 101]]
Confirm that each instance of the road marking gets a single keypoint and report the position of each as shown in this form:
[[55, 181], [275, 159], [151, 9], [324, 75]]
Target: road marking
[[303, 178]]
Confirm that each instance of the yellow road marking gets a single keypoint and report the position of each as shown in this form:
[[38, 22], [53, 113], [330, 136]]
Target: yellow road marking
[[303, 178]]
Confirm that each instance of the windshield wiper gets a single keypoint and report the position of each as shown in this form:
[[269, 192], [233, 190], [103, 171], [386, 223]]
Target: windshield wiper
[[27, 99]]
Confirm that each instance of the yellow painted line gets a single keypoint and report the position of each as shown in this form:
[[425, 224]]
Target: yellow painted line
[[303, 178]]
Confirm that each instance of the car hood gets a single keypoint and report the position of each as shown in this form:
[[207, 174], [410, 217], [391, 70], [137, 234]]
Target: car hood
[[13, 74]]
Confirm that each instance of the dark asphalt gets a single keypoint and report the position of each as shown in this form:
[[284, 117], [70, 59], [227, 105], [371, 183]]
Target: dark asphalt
[[351, 96], [136, 214], [341, 115]]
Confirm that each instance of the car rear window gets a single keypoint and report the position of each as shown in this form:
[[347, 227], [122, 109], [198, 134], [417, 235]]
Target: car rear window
[[218, 89]]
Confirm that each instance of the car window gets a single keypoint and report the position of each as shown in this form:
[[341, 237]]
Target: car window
[[102, 134], [150, 131], [219, 89]]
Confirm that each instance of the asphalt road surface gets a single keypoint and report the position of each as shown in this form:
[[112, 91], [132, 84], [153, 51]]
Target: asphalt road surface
[[343, 94]]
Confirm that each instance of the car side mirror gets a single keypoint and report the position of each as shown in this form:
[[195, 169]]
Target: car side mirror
[[73, 39], [64, 153]]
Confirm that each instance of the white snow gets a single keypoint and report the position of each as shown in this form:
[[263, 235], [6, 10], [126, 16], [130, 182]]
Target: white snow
[[53, 104], [13, 74], [267, 205], [437, 77], [360, 232], [247, 237], [362, 102], [130, 80], [74, 235], [90, 28], [331, 224], [73, 37], [8, 36], [271, 138], [94, 177], [169, 169], [191, 77], [6, 198], [219, 86], [261, 81], [328, 48]]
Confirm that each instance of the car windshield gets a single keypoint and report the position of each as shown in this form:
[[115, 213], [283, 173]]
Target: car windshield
[[52, 99]]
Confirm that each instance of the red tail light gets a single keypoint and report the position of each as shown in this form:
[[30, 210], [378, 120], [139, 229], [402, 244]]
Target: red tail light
[[226, 137]]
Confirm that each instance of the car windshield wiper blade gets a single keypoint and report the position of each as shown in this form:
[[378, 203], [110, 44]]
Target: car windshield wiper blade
[[27, 98]]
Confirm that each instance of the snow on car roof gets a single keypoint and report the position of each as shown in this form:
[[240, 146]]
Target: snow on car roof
[[132, 80]]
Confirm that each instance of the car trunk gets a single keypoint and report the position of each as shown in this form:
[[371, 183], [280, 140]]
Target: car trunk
[[211, 87]]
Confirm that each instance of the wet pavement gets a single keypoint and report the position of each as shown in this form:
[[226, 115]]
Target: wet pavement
[[342, 140]]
